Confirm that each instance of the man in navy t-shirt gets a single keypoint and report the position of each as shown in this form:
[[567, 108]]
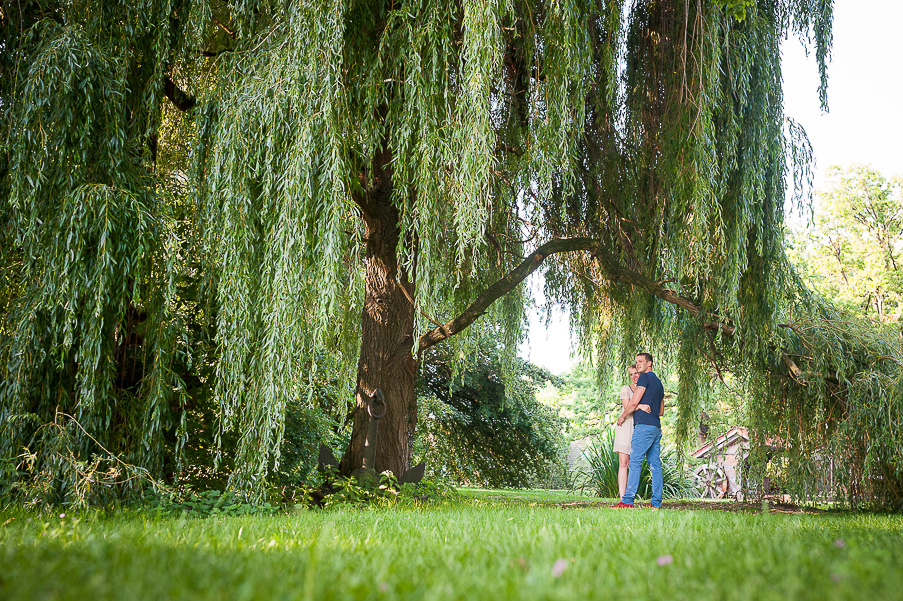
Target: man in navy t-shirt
[[647, 432]]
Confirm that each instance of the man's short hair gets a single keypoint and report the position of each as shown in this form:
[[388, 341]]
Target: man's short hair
[[647, 355]]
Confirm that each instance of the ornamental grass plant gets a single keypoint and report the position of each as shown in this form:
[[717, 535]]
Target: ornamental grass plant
[[600, 474]]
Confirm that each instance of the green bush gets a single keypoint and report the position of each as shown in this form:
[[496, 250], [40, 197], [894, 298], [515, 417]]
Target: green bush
[[386, 492], [204, 504], [485, 427]]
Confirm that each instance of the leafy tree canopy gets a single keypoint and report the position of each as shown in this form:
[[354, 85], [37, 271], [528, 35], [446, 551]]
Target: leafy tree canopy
[[851, 251], [485, 426]]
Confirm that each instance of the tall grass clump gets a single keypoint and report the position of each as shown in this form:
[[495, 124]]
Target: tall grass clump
[[600, 475]]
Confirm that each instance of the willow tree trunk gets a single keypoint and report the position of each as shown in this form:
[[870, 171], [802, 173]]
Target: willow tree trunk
[[387, 328]]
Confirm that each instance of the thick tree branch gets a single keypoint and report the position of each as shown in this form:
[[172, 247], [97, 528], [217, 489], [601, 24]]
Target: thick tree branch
[[222, 26], [611, 269], [502, 287], [614, 271], [183, 101], [795, 372], [214, 53]]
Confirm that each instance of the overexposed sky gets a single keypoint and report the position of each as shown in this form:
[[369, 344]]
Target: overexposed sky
[[864, 123], [865, 89]]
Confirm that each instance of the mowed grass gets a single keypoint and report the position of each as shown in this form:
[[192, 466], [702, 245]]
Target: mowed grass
[[529, 496], [474, 549]]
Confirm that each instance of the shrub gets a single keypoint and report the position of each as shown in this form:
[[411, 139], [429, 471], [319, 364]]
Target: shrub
[[386, 492], [204, 504]]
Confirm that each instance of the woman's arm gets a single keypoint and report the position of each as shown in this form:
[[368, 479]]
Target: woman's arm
[[630, 406]]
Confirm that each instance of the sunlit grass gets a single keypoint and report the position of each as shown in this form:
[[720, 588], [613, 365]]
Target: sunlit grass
[[474, 549]]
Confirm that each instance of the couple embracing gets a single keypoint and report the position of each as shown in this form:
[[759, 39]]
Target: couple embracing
[[638, 432]]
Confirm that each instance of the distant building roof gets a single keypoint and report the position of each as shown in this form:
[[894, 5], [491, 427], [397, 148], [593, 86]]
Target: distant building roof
[[725, 440]]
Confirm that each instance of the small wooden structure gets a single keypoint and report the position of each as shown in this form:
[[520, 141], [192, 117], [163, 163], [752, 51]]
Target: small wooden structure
[[721, 473], [576, 457]]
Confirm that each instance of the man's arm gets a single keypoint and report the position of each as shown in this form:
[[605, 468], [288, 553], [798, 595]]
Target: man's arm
[[630, 406], [661, 409]]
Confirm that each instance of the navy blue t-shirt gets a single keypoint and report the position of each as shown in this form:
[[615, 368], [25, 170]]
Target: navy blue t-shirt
[[652, 396]]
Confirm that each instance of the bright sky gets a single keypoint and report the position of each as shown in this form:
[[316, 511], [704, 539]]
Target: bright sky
[[864, 123]]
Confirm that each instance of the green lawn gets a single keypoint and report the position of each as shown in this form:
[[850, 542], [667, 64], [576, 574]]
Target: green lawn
[[539, 496], [478, 548]]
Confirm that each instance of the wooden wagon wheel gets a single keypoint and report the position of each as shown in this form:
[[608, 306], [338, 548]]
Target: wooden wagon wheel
[[709, 480]]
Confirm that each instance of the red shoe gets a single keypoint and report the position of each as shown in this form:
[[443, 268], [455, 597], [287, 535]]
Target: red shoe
[[622, 505]]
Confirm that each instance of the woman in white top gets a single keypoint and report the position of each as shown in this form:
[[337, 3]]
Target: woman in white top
[[624, 432]]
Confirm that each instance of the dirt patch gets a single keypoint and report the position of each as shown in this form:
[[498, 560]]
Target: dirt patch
[[700, 505]]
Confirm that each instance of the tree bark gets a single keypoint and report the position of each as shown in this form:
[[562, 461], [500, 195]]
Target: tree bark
[[387, 327]]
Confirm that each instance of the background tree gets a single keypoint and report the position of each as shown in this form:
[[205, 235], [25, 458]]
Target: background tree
[[485, 426], [576, 397], [851, 251]]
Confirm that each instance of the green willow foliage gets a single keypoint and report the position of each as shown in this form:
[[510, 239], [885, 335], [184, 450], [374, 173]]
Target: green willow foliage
[[655, 128], [90, 230]]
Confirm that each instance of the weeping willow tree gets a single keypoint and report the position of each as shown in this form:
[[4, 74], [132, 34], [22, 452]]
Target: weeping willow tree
[[375, 178]]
